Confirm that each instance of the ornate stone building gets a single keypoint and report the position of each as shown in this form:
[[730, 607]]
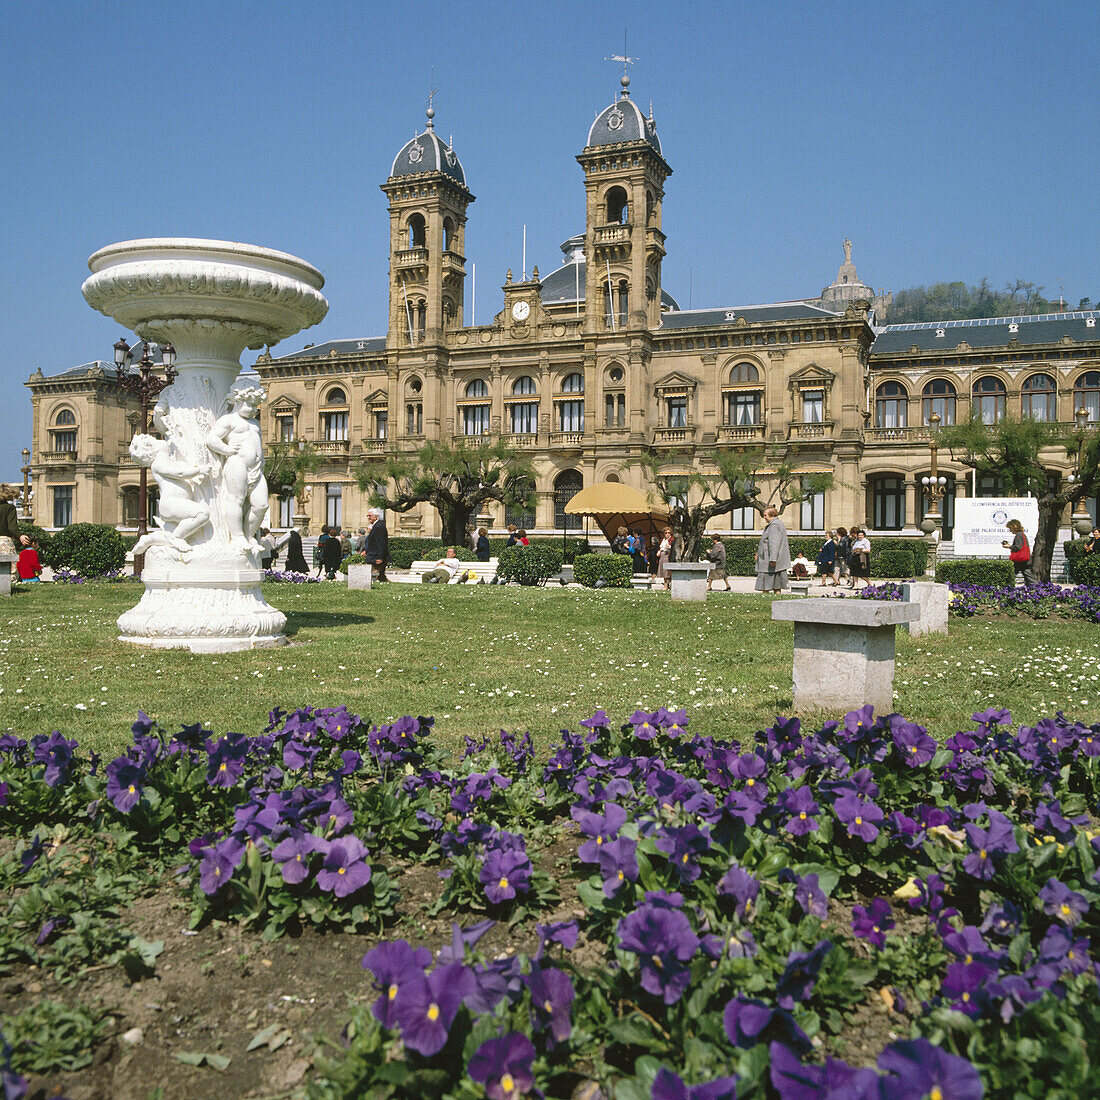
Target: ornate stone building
[[594, 364]]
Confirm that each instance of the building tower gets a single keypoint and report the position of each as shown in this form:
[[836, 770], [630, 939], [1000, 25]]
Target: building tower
[[624, 176], [428, 200]]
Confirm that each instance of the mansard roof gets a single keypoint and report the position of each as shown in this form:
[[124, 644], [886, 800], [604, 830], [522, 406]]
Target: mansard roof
[[427, 153], [988, 332], [622, 122], [340, 347], [775, 311]]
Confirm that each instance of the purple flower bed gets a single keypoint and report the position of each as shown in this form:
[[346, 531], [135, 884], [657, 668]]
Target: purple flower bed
[[740, 903], [1037, 601]]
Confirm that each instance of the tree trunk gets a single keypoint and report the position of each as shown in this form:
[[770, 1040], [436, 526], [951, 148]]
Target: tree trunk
[[455, 521], [1046, 538]]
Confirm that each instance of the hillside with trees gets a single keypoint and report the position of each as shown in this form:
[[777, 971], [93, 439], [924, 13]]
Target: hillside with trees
[[957, 301]]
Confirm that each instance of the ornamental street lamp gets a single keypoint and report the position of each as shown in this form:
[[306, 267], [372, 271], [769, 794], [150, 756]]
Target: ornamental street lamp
[[935, 486], [1082, 521], [26, 472], [146, 387]]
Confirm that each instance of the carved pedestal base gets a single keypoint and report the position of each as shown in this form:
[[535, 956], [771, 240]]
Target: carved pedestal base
[[209, 604]]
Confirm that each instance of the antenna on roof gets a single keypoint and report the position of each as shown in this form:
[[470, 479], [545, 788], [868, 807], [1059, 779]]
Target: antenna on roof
[[625, 60]]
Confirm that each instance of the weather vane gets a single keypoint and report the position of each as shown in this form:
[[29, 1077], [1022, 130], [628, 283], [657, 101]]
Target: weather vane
[[432, 92], [624, 59]]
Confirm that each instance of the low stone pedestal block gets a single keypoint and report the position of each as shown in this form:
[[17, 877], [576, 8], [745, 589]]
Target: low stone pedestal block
[[844, 651], [359, 576], [932, 599], [7, 568], [689, 580]]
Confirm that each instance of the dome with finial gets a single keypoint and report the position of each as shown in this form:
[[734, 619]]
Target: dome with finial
[[623, 122], [428, 153]]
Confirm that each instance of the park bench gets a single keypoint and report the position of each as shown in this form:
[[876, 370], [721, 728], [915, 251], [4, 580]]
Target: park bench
[[7, 568], [485, 570]]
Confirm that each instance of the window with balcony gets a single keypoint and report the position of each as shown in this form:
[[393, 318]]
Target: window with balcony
[[743, 407], [1086, 395], [64, 441], [813, 406], [990, 399], [618, 207], [381, 423], [286, 511], [676, 411], [475, 419], [891, 405], [570, 416], [888, 503], [334, 504], [414, 418], [62, 505], [417, 232], [1038, 395], [614, 410], [524, 418], [990, 485], [566, 486], [334, 426], [284, 428], [938, 397]]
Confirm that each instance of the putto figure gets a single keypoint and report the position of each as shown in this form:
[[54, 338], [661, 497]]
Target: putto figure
[[242, 489], [179, 516]]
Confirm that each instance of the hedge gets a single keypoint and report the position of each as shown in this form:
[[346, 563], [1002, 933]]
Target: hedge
[[405, 550], [616, 570], [1084, 567], [90, 549], [995, 572], [741, 553], [529, 564], [895, 563]]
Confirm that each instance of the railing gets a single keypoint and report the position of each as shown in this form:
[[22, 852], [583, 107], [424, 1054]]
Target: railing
[[567, 439], [410, 257], [673, 435], [612, 234], [335, 447], [452, 261], [521, 440], [895, 435], [740, 433], [55, 457], [374, 446], [811, 430], [653, 236]]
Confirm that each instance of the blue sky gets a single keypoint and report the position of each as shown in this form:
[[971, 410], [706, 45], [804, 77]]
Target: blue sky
[[949, 141]]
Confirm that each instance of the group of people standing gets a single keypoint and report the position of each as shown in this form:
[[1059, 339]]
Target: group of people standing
[[845, 555]]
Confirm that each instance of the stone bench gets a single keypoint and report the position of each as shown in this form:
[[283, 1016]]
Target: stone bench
[[689, 580], [485, 570], [7, 572], [844, 651]]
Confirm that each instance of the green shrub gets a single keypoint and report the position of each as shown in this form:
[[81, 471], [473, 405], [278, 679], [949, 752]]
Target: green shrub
[[615, 569], [529, 564], [741, 553], [895, 563], [986, 571], [1084, 567], [44, 537], [90, 549]]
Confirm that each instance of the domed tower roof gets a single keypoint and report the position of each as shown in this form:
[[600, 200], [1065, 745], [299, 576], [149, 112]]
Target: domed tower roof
[[623, 122], [427, 153]]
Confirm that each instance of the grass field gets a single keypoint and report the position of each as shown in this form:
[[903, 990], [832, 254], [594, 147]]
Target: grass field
[[481, 658]]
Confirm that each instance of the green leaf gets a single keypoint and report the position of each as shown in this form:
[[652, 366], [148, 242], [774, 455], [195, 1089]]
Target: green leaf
[[204, 1058], [940, 761], [827, 877], [630, 1032]]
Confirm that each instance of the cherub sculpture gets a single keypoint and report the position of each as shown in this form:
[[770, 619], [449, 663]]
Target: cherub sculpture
[[242, 497], [179, 516]]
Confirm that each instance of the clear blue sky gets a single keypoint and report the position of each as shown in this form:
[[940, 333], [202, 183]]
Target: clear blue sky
[[949, 141]]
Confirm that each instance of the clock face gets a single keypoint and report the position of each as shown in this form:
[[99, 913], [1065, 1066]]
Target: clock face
[[520, 311]]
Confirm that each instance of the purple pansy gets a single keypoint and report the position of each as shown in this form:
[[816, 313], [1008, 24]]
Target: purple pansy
[[618, 864], [505, 873], [914, 746], [1062, 903], [425, 1007], [394, 964], [738, 884], [798, 802], [916, 1069], [292, 854], [860, 815], [552, 996], [664, 942], [872, 923], [682, 845], [124, 783], [504, 1066], [345, 868], [600, 828], [748, 1021], [670, 1086], [798, 977], [997, 840], [835, 1080], [56, 752]]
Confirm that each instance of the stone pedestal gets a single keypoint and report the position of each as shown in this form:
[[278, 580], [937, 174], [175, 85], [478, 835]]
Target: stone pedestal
[[689, 580], [7, 570], [211, 300], [932, 600], [844, 651], [359, 576]]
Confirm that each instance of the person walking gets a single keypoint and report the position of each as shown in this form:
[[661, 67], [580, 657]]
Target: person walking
[[377, 546], [717, 555], [267, 553], [859, 564], [319, 549], [332, 554], [1019, 553], [664, 555], [773, 554], [295, 556], [843, 552], [826, 559]]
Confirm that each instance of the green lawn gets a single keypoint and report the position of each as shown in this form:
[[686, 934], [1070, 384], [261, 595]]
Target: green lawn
[[483, 658]]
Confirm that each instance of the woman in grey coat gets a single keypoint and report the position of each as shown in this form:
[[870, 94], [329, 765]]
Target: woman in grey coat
[[773, 555]]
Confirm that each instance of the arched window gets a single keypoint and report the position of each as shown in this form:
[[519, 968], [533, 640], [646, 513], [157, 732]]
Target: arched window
[[990, 399], [623, 291], [650, 208], [523, 415], [742, 373], [524, 384], [618, 207], [1086, 395], [448, 234], [418, 236], [63, 434], [477, 388], [573, 383], [938, 397], [1037, 397], [891, 405], [566, 486], [64, 417], [336, 396]]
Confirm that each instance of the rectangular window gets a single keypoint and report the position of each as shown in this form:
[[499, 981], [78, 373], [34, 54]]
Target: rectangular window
[[286, 511], [414, 419], [65, 441], [743, 519], [284, 429], [62, 505], [525, 418], [813, 513], [813, 407], [334, 505], [381, 423], [570, 416], [475, 419], [336, 426], [743, 408], [677, 412], [888, 503], [615, 410]]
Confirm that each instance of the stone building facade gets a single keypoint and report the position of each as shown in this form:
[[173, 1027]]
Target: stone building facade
[[594, 364]]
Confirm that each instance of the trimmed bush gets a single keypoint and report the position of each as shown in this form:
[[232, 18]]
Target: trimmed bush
[[405, 550], [529, 564], [1084, 567], [615, 569], [741, 553], [895, 563], [993, 572], [90, 549]]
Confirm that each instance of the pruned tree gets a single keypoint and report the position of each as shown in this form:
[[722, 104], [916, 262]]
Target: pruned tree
[[694, 497], [286, 467], [1013, 450], [456, 479]]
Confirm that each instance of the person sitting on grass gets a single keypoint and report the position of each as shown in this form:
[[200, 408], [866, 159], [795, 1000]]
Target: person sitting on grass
[[28, 566], [444, 571]]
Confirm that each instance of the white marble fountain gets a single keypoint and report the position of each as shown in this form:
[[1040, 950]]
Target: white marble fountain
[[211, 300]]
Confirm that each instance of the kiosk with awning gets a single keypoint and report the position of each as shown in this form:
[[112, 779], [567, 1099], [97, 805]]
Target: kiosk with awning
[[613, 505]]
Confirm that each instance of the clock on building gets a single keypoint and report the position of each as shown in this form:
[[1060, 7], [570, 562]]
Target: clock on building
[[521, 310]]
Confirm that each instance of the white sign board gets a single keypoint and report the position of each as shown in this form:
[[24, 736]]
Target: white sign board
[[980, 524]]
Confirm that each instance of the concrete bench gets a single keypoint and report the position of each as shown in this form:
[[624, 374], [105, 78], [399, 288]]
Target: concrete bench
[[485, 570], [689, 580], [7, 571], [844, 651]]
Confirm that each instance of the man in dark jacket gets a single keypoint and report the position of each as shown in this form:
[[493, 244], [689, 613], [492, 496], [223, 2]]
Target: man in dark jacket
[[378, 544]]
